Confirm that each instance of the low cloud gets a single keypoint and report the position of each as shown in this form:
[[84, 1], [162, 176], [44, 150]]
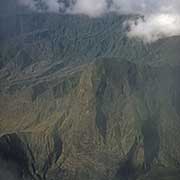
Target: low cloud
[[161, 17], [92, 8], [155, 27], [99, 7]]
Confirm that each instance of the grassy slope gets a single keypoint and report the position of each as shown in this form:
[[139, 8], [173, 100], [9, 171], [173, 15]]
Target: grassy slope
[[110, 116]]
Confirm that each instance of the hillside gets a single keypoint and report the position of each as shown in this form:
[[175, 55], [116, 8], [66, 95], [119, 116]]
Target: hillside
[[81, 101]]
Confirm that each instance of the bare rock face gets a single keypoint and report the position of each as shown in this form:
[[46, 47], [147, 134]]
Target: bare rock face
[[86, 103]]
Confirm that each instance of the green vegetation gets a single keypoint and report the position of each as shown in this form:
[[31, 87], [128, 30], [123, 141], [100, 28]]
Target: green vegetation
[[81, 101]]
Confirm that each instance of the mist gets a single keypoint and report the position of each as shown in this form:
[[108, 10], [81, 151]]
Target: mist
[[161, 17]]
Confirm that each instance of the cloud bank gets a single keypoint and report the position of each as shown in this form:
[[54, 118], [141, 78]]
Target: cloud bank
[[161, 17], [155, 27]]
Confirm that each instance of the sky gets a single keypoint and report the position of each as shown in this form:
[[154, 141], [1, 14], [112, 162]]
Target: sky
[[161, 17]]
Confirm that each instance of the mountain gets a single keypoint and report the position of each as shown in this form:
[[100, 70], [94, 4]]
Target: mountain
[[81, 101]]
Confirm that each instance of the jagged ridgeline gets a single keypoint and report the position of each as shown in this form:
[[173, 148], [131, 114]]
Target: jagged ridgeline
[[79, 100]]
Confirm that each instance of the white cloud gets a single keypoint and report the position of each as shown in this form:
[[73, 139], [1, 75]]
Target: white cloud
[[92, 8], [155, 27], [99, 7]]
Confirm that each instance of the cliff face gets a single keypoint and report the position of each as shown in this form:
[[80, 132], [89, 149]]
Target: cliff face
[[86, 103]]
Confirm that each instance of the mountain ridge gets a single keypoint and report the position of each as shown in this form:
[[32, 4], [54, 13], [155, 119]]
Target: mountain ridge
[[81, 101]]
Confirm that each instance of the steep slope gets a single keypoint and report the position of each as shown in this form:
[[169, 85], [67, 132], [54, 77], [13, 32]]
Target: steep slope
[[104, 120], [79, 100]]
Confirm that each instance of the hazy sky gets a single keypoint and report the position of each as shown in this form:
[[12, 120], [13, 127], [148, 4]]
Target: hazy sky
[[162, 17]]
